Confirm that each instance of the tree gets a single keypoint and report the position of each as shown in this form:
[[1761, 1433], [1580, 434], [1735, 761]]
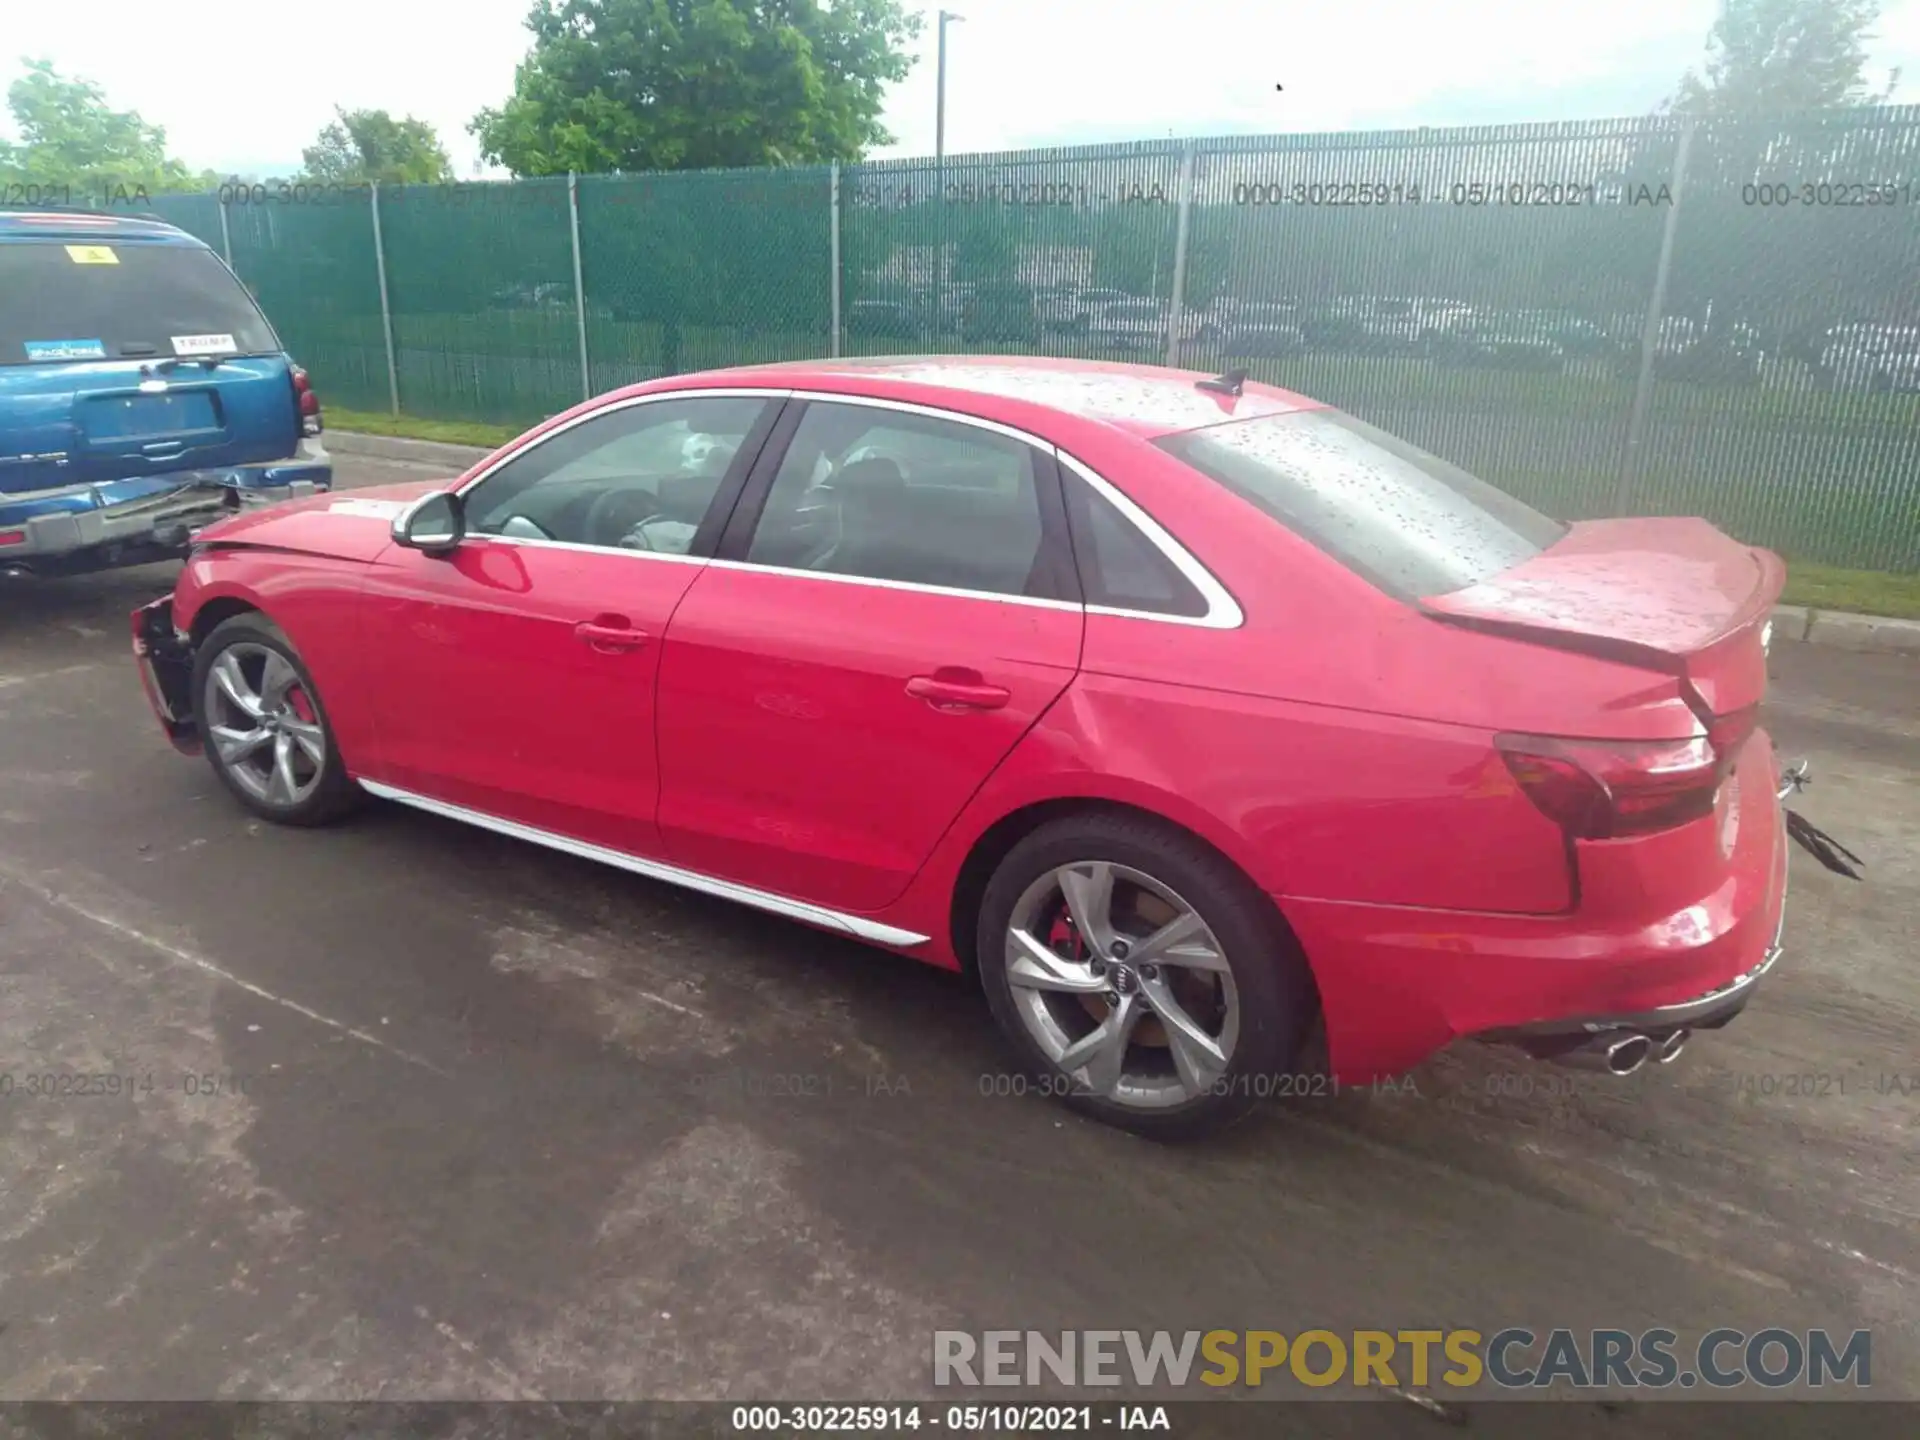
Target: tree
[[696, 84], [1765, 57], [370, 145], [71, 141]]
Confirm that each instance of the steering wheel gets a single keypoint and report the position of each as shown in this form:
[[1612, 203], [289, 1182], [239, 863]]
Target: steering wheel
[[615, 516]]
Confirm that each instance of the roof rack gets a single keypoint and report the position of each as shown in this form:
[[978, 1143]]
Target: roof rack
[[1227, 384]]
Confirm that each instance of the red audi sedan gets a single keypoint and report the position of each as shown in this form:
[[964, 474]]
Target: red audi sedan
[[1187, 713]]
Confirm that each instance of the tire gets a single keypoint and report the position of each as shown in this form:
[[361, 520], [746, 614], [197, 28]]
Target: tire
[[1251, 994], [293, 720]]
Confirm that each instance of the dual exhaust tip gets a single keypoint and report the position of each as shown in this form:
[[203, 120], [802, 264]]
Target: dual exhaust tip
[[1623, 1054]]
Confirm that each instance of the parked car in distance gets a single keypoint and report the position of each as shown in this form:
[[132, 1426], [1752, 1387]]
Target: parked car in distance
[[1001, 312], [1044, 669], [1139, 327], [142, 395], [1251, 328], [534, 297], [1497, 340], [896, 319], [1375, 324], [1089, 303], [1574, 334], [1873, 358]]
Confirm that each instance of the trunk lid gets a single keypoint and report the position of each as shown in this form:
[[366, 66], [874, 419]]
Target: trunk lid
[[1675, 595]]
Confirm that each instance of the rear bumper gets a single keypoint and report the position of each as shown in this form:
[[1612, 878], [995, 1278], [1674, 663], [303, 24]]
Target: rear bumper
[[1398, 984], [96, 527]]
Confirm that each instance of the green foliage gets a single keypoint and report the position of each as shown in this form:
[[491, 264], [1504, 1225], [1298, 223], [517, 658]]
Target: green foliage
[[698, 84], [1765, 57], [370, 145], [70, 138]]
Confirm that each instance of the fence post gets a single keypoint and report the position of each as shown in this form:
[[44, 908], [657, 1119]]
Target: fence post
[[579, 289], [386, 307], [226, 235], [1650, 333], [1185, 184], [833, 245]]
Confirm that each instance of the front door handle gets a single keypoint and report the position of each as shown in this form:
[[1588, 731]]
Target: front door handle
[[958, 690], [610, 635]]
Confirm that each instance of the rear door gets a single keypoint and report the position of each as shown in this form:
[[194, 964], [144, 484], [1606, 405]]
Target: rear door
[[893, 609], [123, 358]]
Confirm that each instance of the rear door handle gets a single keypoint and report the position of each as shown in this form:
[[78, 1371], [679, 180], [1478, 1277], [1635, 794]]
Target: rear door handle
[[955, 694], [609, 639]]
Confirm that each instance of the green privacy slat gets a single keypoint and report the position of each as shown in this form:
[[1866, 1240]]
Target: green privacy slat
[[1484, 292]]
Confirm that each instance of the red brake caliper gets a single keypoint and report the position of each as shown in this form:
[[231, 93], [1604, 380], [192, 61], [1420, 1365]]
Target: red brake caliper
[[298, 702]]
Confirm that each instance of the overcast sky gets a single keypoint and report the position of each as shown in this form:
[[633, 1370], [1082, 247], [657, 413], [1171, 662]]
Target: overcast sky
[[242, 88]]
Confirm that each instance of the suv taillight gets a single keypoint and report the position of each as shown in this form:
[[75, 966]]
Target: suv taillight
[[308, 402], [1607, 789]]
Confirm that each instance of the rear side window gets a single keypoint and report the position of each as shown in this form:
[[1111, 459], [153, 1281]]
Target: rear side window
[[1120, 569], [1410, 522], [64, 300]]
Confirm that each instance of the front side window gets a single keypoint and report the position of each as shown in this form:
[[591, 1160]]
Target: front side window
[[637, 478], [67, 299], [1408, 521], [888, 495]]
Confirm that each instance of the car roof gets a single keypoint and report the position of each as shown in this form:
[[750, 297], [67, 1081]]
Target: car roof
[[1146, 401], [96, 225]]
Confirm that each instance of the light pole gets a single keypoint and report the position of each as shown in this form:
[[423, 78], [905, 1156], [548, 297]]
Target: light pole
[[947, 17]]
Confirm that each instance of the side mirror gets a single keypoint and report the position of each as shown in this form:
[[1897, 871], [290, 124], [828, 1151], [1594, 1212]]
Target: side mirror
[[434, 525]]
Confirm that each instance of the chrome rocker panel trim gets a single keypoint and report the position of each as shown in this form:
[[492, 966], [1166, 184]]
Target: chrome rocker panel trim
[[856, 926]]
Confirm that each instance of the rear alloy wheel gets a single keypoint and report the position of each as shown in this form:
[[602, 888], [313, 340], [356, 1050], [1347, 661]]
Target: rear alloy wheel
[[1140, 975], [263, 728]]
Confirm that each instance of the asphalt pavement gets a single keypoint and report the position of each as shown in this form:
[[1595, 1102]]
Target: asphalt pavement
[[429, 1113]]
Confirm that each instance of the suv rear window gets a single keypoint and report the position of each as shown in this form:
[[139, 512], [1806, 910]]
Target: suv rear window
[[1408, 521], [57, 298]]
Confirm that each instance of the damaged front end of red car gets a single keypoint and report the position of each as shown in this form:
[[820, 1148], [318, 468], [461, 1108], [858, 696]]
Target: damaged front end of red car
[[165, 660]]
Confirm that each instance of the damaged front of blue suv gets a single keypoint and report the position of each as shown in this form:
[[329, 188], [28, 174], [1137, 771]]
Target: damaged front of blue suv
[[143, 395]]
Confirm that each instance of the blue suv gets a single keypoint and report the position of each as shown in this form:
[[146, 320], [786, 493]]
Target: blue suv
[[142, 395]]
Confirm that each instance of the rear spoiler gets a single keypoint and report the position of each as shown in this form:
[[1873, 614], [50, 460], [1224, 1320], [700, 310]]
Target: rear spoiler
[[1614, 647]]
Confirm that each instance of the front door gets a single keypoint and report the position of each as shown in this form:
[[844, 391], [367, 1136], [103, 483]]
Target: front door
[[522, 665]]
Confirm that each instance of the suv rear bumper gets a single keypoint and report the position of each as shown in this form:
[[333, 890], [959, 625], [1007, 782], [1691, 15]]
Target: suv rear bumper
[[92, 527]]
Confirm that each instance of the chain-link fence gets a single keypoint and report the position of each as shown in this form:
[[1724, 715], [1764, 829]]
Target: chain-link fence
[[1642, 316]]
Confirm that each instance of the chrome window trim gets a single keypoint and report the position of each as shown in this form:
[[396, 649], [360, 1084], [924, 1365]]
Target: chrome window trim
[[914, 586], [533, 544], [1223, 611], [855, 925], [655, 398], [461, 488]]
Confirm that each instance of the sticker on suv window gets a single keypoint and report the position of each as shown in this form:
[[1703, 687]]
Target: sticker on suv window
[[65, 350], [92, 255], [204, 345]]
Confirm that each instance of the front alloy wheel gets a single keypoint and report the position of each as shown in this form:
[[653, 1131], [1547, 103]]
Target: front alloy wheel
[[264, 727], [262, 723]]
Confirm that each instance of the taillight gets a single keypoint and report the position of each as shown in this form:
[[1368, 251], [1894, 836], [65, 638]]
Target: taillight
[[308, 401], [1606, 789]]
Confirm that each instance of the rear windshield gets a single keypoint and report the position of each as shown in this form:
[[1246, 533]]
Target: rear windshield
[[1410, 522], [62, 301]]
